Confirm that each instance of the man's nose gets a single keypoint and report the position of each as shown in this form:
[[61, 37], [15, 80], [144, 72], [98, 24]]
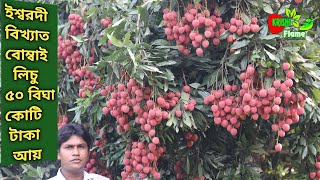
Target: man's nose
[[75, 151]]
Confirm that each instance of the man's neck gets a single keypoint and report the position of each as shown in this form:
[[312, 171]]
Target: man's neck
[[72, 175]]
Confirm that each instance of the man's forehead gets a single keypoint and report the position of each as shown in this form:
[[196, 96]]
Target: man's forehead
[[74, 140]]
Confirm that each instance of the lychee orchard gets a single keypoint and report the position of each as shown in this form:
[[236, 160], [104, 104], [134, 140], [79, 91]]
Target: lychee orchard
[[191, 89]]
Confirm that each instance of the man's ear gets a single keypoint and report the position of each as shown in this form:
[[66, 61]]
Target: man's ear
[[59, 158]]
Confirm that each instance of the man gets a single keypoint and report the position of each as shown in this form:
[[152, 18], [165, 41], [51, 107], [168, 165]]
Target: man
[[73, 151]]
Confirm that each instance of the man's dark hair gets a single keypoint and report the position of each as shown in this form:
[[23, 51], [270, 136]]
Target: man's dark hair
[[68, 130]]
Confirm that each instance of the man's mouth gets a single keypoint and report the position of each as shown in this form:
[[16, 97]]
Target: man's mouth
[[76, 160]]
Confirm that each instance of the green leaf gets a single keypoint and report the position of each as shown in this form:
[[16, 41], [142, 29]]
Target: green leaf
[[172, 118], [65, 30], [296, 24], [103, 39], [283, 8], [303, 141], [203, 94], [115, 41], [222, 9], [184, 97], [245, 18], [271, 47], [244, 63], [312, 149], [194, 85], [253, 2], [150, 68], [166, 86], [90, 12], [258, 148], [267, 8], [143, 14], [188, 165], [316, 93], [187, 119], [118, 22], [90, 68], [133, 58], [305, 152], [166, 63], [116, 71], [288, 12], [224, 35], [200, 168], [268, 82], [169, 75], [133, 2], [272, 56], [297, 17], [293, 12], [264, 30], [310, 66], [240, 44], [148, 32], [8, 172], [126, 40], [114, 56], [268, 37], [77, 38]]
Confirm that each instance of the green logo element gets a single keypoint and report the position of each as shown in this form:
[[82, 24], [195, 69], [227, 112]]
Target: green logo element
[[307, 25], [293, 15], [281, 22]]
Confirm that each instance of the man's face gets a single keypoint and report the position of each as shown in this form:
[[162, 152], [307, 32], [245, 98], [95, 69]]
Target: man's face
[[74, 154]]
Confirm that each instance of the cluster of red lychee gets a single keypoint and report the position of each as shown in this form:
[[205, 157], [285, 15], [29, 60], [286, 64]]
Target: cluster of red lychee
[[187, 105], [97, 166], [129, 99], [102, 141], [142, 159], [149, 116], [278, 100], [106, 22], [199, 28], [177, 169], [123, 97], [88, 83], [150, 113], [76, 23], [237, 26], [63, 119], [191, 138], [90, 166], [225, 109], [256, 101], [65, 48], [316, 174], [94, 165], [76, 63]]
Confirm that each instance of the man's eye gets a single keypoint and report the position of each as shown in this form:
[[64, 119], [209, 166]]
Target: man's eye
[[82, 147], [68, 147]]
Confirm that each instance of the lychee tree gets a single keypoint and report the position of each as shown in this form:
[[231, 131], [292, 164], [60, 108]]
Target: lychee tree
[[191, 89]]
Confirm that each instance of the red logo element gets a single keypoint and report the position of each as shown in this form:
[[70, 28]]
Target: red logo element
[[274, 29]]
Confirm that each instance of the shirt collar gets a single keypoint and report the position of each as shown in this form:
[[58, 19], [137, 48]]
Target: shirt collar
[[60, 176]]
